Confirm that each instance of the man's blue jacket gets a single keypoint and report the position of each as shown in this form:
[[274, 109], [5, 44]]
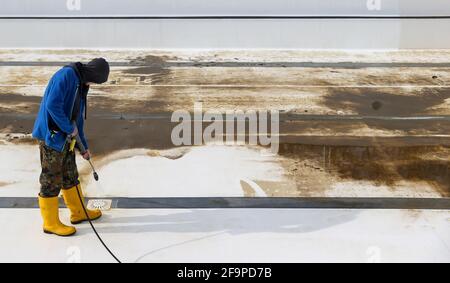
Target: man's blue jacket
[[56, 110]]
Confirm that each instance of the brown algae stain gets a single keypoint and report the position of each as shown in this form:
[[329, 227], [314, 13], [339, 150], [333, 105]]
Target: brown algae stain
[[152, 66], [248, 190], [382, 165], [4, 184], [365, 101]]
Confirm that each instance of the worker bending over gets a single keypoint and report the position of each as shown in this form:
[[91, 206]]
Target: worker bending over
[[61, 117]]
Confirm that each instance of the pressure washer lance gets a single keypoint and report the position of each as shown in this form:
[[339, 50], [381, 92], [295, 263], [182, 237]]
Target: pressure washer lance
[[77, 141]]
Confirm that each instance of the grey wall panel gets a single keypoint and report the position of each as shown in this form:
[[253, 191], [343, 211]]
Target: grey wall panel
[[227, 34], [222, 7]]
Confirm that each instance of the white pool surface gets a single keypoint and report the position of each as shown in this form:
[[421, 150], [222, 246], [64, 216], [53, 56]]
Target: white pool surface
[[235, 235]]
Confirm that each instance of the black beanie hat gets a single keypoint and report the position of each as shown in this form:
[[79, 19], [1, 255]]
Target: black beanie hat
[[96, 71]]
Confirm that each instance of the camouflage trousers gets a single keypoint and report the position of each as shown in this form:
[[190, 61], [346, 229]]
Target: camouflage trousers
[[59, 170]]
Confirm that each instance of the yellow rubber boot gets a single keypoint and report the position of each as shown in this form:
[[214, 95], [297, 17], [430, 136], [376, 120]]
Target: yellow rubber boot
[[76, 206], [50, 215]]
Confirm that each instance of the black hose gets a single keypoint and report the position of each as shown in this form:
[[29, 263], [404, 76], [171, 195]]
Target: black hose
[[93, 228]]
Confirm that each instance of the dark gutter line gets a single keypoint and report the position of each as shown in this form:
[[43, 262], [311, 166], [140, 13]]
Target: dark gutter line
[[238, 64], [284, 117], [217, 17], [254, 203]]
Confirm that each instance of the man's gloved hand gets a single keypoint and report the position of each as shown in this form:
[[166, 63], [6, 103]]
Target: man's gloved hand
[[75, 133], [87, 155]]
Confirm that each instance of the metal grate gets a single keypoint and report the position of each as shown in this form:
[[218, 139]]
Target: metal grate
[[101, 204]]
